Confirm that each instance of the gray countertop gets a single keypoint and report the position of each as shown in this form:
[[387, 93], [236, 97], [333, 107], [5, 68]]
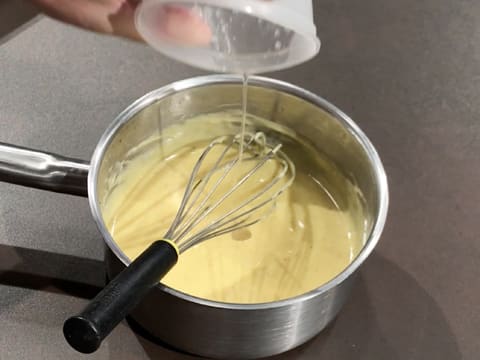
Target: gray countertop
[[408, 72]]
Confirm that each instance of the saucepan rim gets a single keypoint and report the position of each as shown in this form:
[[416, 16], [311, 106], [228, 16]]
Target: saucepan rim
[[284, 87]]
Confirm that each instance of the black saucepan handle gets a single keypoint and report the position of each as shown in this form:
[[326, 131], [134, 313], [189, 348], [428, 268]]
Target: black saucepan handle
[[86, 331]]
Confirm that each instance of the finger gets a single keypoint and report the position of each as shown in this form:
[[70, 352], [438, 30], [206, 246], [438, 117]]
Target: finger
[[182, 25]]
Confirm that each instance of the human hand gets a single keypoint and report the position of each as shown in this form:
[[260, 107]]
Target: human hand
[[116, 17]]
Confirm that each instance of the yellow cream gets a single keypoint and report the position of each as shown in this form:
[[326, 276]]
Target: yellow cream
[[309, 238]]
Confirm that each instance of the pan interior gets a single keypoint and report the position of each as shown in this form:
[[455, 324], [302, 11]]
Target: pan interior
[[315, 231]]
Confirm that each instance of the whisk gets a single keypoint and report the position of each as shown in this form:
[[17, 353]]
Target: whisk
[[203, 214]]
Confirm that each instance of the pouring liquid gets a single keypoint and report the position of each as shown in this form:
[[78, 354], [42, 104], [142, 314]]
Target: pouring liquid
[[244, 111]]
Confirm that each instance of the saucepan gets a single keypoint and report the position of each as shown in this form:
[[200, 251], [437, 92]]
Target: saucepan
[[208, 328]]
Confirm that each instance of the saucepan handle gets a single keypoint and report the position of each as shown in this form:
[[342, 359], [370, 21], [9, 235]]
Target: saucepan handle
[[42, 170]]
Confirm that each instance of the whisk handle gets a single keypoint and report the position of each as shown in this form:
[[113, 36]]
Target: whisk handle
[[86, 331]]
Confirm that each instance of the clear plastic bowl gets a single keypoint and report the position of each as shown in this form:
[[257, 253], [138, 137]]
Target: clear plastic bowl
[[241, 36]]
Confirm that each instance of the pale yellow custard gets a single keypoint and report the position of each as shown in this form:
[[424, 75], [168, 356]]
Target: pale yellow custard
[[309, 238]]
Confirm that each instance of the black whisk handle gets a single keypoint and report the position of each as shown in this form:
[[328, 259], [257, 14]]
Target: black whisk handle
[[86, 331]]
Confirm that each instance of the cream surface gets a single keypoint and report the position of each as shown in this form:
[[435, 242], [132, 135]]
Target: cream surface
[[305, 242]]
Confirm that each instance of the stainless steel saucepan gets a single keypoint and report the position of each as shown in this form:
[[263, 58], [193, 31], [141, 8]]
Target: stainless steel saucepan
[[208, 328]]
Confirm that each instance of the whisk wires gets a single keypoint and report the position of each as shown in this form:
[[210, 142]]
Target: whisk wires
[[202, 196]]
